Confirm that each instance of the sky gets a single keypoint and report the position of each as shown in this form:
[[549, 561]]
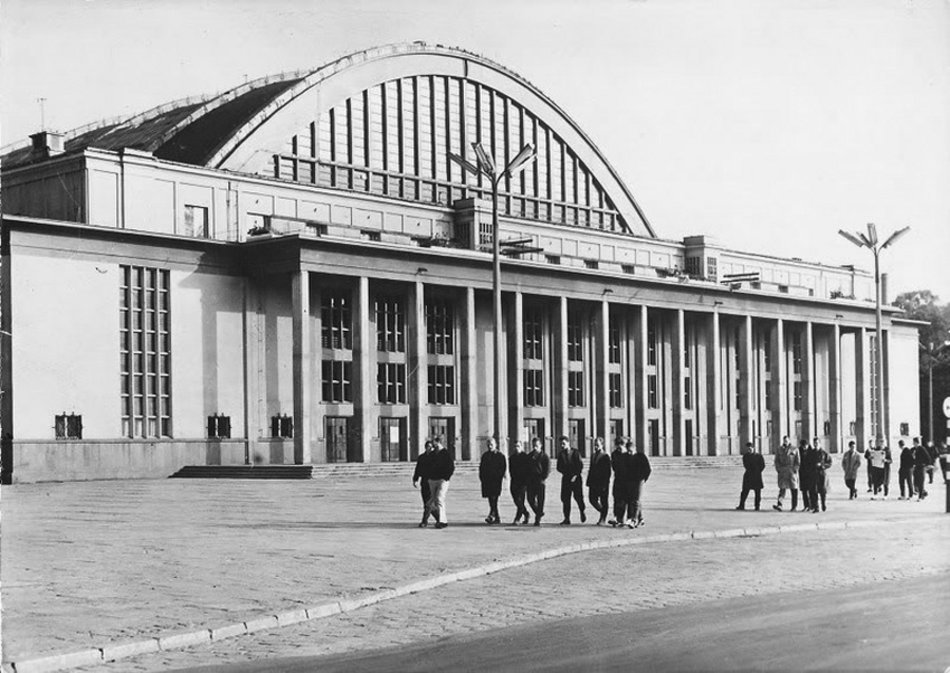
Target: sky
[[768, 124]]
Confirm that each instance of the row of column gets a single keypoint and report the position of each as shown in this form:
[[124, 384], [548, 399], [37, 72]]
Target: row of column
[[709, 399]]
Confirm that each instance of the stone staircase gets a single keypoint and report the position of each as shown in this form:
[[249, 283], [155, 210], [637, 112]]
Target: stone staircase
[[336, 470]]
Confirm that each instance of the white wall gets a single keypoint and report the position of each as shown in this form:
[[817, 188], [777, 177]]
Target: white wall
[[904, 383]]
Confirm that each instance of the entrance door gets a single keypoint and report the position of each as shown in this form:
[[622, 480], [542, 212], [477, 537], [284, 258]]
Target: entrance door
[[688, 439], [533, 427], [575, 429], [655, 437], [443, 429], [392, 440], [337, 438]]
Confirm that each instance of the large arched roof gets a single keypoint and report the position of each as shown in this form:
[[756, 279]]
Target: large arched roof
[[250, 127]]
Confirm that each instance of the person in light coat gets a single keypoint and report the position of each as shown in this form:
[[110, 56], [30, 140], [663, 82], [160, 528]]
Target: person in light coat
[[787, 462], [851, 464]]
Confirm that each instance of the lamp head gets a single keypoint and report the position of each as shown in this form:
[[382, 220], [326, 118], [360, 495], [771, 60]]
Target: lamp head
[[851, 237], [872, 233], [521, 160], [485, 161], [893, 237], [464, 163]]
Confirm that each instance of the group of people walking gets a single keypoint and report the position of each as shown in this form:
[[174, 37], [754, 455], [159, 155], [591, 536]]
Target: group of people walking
[[805, 468], [527, 476]]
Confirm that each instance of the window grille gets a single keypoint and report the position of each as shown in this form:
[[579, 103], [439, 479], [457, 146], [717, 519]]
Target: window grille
[[440, 328], [219, 426], [68, 426], [575, 345], [282, 426], [336, 322], [337, 381], [390, 325], [441, 384], [575, 389], [533, 387], [614, 345], [391, 383], [533, 344]]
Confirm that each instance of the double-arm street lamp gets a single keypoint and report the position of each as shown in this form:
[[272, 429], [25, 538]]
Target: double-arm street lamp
[[871, 242], [486, 166]]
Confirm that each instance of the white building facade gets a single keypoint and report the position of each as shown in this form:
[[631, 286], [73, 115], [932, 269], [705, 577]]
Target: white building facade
[[295, 272]]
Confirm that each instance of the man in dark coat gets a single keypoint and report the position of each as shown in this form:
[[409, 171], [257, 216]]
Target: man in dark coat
[[539, 466], [421, 473], [921, 462], [637, 472], [491, 472], [808, 476], [519, 464], [905, 471], [570, 465], [619, 464], [754, 464], [824, 464], [598, 480], [441, 470]]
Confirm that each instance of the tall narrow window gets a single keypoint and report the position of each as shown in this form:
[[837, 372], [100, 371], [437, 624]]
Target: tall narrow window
[[533, 345], [533, 387], [575, 344], [440, 328], [145, 351], [797, 353], [391, 380], [797, 395], [390, 325], [653, 401], [614, 345], [616, 396], [687, 392], [575, 389], [337, 377], [767, 352], [335, 321], [441, 384], [651, 344]]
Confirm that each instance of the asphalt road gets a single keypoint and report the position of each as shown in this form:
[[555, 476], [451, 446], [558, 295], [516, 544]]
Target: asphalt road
[[890, 626]]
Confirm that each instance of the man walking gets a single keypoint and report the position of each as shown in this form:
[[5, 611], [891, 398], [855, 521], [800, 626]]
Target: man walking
[[921, 461], [491, 472], [824, 463], [570, 465], [808, 476], [538, 468], [598, 480], [851, 464], [618, 462], [421, 473], [441, 470], [905, 471], [754, 465], [638, 471], [787, 462], [518, 468]]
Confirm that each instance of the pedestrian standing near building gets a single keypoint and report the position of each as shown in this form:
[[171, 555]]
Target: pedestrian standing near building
[[887, 470], [869, 466], [932, 452], [518, 467], [570, 465], [491, 473], [876, 460], [905, 471], [598, 480], [539, 466], [921, 461], [824, 464], [637, 472], [808, 476], [421, 474], [442, 469], [786, 463], [754, 465], [851, 464], [618, 464]]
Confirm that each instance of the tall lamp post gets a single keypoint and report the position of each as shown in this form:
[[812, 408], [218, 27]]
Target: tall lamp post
[[487, 167], [871, 242]]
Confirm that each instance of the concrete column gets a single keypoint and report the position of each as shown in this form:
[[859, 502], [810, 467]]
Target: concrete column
[[602, 349], [417, 367], [809, 410], [560, 369], [713, 385], [364, 407], [834, 389], [469, 393], [678, 384], [253, 399], [746, 383], [779, 385], [300, 302], [515, 373], [862, 366], [641, 435]]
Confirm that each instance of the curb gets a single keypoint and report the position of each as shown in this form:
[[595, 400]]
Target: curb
[[205, 636]]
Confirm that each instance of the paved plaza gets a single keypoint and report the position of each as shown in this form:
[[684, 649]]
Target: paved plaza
[[99, 564]]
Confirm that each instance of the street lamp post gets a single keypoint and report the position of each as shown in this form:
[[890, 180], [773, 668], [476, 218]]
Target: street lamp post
[[487, 167], [870, 241]]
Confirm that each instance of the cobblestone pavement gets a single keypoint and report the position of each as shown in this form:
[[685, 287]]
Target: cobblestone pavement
[[95, 563], [646, 577]]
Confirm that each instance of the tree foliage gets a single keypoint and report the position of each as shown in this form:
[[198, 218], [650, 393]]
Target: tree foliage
[[924, 305]]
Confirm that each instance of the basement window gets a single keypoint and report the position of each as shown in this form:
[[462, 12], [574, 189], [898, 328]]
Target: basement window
[[68, 426], [219, 427], [282, 426]]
